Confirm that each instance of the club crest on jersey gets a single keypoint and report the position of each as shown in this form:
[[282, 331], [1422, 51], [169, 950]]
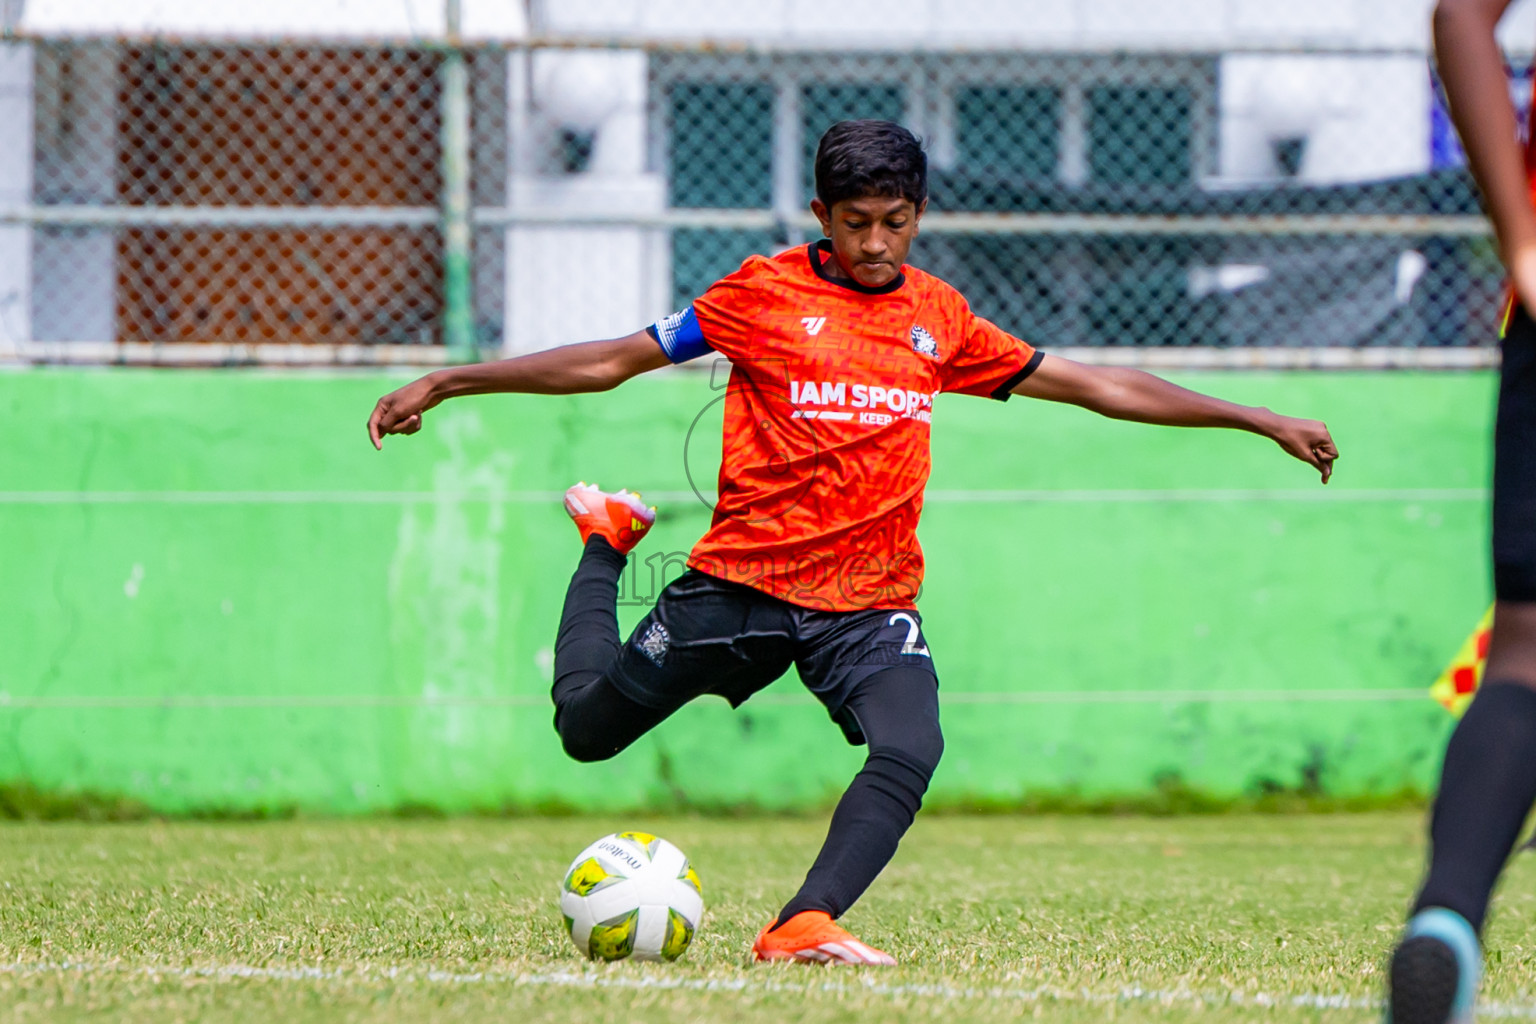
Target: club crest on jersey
[[654, 643], [923, 343]]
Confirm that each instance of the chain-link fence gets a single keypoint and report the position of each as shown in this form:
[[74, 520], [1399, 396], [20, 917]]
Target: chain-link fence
[[246, 198]]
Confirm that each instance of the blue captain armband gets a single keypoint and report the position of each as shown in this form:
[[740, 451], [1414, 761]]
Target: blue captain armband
[[680, 336]]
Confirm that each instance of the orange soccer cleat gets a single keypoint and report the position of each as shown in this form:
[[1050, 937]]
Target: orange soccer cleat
[[620, 518], [812, 937]]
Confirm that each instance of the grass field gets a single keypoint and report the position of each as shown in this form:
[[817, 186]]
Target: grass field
[[1273, 918]]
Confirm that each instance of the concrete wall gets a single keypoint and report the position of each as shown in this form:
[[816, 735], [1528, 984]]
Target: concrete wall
[[218, 595]]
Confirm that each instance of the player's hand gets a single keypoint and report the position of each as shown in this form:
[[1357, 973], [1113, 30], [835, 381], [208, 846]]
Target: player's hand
[[1307, 440], [400, 411]]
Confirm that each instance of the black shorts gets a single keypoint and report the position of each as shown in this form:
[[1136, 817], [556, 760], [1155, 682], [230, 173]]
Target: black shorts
[[1514, 466], [711, 636]]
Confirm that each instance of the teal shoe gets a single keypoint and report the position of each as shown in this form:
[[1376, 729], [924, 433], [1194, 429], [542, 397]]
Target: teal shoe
[[1434, 971]]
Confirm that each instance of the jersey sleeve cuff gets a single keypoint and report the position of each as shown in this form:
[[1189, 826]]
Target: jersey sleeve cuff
[[1004, 391], [680, 336]]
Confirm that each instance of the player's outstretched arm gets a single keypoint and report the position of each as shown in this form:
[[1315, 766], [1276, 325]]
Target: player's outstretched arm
[[1125, 394], [1472, 68], [567, 370]]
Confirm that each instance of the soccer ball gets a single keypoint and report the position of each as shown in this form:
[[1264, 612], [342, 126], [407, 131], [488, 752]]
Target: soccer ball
[[632, 895]]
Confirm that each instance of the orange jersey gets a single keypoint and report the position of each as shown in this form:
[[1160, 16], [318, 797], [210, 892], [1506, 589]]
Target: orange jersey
[[827, 417]]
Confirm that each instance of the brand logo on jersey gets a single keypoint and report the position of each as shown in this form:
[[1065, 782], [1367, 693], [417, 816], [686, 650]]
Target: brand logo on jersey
[[813, 324], [923, 343], [875, 405]]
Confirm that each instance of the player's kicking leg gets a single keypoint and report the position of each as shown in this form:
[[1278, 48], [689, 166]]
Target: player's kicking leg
[[898, 712], [1488, 783], [594, 719]]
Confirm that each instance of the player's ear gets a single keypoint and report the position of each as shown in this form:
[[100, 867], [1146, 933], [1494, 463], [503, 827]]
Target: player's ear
[[917, 218], [824, 215]]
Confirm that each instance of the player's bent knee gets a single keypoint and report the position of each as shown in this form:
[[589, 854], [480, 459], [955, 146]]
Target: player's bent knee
[[898, 711], [920, 749], [597, 721], [931, 751], [586, 748], [580, 740], [910, 767]]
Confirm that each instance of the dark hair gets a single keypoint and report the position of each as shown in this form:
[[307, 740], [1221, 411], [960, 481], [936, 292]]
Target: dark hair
[[870, 158]]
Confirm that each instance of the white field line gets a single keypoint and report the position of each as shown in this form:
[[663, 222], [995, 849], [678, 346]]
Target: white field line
[[960, 497], [367, 700], [860, 983]]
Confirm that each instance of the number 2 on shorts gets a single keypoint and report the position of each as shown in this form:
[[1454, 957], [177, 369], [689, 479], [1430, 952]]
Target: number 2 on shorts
[[910, 647]]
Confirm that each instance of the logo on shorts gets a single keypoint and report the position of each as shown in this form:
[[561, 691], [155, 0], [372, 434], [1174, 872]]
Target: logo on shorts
[[923, 343], [654, 643]]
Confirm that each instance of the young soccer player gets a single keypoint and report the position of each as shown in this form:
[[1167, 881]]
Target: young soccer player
[[1488, 782], [837, 351]]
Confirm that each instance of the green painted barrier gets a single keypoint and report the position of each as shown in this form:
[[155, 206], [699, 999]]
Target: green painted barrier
[[218, 596]]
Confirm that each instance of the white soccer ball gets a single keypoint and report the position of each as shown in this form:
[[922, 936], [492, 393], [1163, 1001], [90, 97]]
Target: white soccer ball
[[632, 895]]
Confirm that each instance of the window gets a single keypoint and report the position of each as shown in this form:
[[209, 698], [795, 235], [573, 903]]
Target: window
[[721, 156], [721, 145], [1140, 135], [1009, 130]]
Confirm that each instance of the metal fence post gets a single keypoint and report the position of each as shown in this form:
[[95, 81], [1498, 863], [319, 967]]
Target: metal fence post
[[458, 292]]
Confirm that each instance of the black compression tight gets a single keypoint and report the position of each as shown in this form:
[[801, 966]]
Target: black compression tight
[[898, 711], [595, 721]]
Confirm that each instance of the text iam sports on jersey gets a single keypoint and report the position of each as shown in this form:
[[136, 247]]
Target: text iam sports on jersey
[[904, 402]]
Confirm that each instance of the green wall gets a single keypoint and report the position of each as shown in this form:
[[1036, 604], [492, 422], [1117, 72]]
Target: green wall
[[216, 594]]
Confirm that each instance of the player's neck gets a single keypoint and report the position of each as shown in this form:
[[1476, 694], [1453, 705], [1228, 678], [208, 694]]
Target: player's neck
[[828, 267]]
